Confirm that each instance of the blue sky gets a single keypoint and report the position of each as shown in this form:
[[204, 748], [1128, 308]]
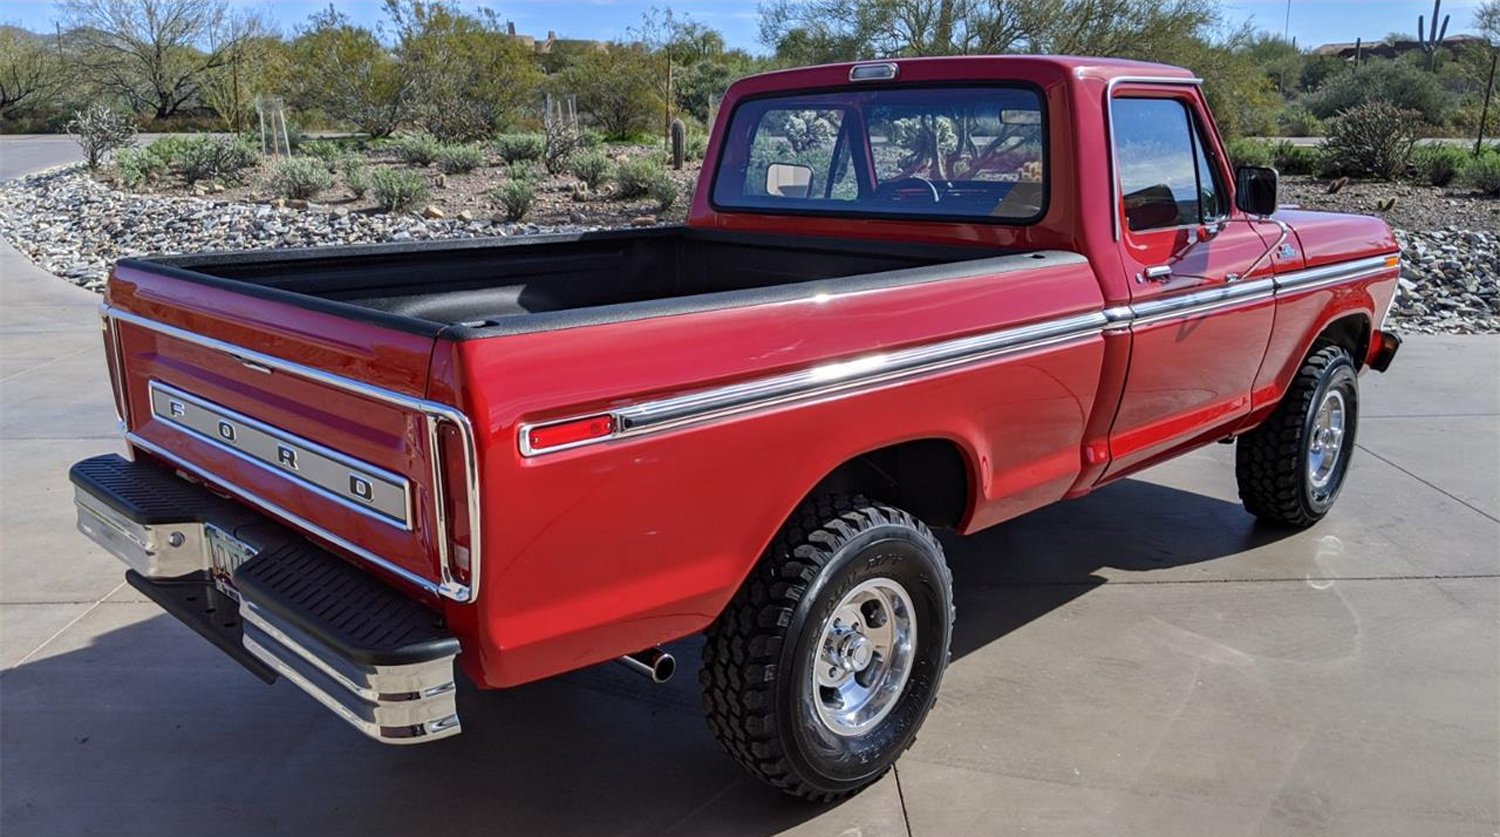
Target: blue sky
[[1312, 21]]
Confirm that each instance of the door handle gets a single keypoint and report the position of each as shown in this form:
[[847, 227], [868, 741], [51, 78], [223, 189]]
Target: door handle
[[1159, 273]]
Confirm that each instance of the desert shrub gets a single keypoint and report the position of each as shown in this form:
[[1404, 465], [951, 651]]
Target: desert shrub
[[522, 170], [590, 138], [416, 149], [459, 159], [1298, 121], [1249, 152], [514, 147], [136, 167], [665, 192], [1372, 140], [1397, 83], [1295, 159], [214, 158], [558, 144], [299, 177], [101, 131], [1437, 165], [697, 146], [640, 177], [515, 197], [356, 176], [1482, 173], [397, 190], [327, 151], [592, 167]]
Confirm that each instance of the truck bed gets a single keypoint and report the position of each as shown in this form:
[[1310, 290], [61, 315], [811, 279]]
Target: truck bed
[[558, 281]]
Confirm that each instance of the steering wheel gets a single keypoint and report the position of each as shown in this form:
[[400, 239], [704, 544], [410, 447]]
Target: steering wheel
[[908, 188]]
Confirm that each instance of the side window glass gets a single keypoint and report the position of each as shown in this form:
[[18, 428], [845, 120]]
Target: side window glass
[[1157, 160], [1210, 197]]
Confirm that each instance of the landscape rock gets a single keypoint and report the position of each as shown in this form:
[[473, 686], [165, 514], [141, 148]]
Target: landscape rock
[[433, 212]]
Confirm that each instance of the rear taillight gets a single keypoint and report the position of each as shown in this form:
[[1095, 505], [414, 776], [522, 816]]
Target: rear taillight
[[452, 454], [114, 358]]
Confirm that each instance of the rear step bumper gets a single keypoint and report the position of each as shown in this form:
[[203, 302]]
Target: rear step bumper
[[379, 660]]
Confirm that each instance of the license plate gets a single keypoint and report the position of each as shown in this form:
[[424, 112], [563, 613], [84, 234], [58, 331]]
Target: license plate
[[225, 554]]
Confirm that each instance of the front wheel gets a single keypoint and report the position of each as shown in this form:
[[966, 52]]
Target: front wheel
[[824, 664], [1291, 468]]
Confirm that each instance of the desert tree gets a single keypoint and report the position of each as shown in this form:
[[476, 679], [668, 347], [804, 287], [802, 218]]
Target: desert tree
[[157, 55], [30, 72], [344, 71]]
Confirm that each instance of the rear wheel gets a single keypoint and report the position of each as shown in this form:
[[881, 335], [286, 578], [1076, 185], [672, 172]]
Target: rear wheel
[[1291, 468], [821, 669]]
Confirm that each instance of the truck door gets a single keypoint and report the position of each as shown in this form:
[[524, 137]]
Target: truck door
[[1199, 325]]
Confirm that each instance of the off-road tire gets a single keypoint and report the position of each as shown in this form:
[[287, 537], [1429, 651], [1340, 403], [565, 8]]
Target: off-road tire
[[759, 650], [1271, 460]]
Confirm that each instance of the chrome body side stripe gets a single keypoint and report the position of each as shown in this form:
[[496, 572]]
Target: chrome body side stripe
[[842, 376], [433, 414], [862, 371]]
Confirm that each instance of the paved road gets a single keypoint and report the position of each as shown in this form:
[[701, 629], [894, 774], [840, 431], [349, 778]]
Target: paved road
[[1144, 661]]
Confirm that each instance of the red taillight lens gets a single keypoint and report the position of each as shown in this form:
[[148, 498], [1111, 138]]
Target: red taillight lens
[[456, 501], [569, 433]]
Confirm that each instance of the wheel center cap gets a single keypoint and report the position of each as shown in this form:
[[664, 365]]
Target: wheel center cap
[[855, 652]]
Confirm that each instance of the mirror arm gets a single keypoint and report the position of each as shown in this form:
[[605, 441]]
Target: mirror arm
[[1286, 232]]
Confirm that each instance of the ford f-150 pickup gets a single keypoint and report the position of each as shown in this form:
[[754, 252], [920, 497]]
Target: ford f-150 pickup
[[910, 295]]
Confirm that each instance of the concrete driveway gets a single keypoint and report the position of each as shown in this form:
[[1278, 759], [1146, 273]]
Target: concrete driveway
[[1145, 661]]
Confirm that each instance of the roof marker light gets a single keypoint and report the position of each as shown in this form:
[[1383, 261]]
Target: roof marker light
[[873, 72]]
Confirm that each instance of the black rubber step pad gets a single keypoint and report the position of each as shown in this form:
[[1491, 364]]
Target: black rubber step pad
[[343, 607]]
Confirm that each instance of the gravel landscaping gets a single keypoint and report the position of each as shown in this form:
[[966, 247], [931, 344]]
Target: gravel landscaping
[[75, 227]]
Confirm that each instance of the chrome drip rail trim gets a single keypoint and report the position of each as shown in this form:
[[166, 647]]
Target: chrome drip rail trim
[[433, 414]]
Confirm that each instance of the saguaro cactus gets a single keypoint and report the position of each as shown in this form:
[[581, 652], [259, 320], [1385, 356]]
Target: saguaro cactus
[[1359, 51], [1430, 38], [679, 143]]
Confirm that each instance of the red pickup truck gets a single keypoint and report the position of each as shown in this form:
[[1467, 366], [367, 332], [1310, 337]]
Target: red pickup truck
[[910, 295]]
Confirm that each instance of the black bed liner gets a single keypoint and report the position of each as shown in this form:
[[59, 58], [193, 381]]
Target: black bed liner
[[486, 287]]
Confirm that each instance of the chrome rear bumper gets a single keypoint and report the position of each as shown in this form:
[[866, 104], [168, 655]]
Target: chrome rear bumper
[[378, 660]]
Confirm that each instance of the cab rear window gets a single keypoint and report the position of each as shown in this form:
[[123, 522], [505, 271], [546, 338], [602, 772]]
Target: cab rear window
[[970, 153]]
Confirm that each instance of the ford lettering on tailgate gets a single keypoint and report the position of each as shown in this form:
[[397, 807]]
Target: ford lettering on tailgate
[[370, 490]]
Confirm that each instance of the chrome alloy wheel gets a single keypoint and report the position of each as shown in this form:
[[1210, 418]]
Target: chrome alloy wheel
[[864, 656], [1325, 444]]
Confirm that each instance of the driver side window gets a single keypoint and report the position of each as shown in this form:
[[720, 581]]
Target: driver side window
[[1164, 171]]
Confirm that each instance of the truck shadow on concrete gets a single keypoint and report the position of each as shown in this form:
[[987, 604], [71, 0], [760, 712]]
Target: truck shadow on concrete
[[148, 730]]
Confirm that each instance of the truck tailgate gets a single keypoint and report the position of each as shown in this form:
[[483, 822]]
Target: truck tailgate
[[315, 417]]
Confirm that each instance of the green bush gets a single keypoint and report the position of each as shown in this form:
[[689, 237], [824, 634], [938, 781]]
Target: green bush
[[1397, 83], [697, 146], [590, 138], [1482, 173], [326, 150], [515, 197], [1298, 121], [641, 177], [1295, 159], [1437, 165], [1373, 140], [592, 167], [665, 192], [416, 149], [137, 167], [522, 170], [397, 190], [514, 147], [215, 158], [299, 177], [356, 177], [459, 159], [1245, 151]]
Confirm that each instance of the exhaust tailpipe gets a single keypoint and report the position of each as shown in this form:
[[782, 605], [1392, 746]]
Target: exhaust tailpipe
[[653, 663]]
